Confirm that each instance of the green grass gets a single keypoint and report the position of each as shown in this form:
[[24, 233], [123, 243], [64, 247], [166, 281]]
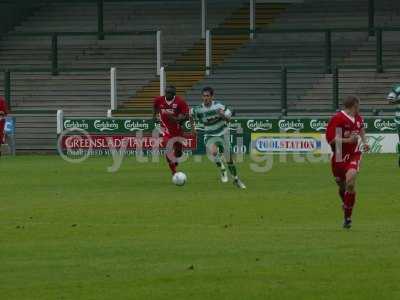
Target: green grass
[[75, 231]]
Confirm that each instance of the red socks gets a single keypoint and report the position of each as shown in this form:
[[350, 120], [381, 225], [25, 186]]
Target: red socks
[[348, 204]]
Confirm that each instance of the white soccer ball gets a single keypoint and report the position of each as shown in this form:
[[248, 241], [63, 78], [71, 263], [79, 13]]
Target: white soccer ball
[[179, 178]]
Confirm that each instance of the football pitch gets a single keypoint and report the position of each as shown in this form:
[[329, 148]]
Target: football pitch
[[76, 231]]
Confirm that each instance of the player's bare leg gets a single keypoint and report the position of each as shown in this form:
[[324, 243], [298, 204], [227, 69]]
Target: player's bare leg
[[219, 162], [349, 197], [178, 151], [171, 160], [232, 169], [398, 146], [173, 155], [171, 165], [342, 188]]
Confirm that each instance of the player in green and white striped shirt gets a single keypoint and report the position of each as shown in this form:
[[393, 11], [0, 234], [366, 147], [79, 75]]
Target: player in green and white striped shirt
[[394, 98], [215, 117]]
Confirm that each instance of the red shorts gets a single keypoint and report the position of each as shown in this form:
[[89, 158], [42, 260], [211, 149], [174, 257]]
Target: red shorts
[[339, 169]]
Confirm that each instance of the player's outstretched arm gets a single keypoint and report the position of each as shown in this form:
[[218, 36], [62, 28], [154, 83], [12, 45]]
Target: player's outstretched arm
[[3, 108], [155, 116], [182, 117], [364, 140], [179, 118], [156, 111], [352, 139]]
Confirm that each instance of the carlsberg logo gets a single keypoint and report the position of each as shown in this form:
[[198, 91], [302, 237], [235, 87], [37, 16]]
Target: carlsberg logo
[[255, 125], [384, 125], [133, 125], [235, 126], [199, 127], [105, 125], [318, 125], [287, 125], [70, 124]]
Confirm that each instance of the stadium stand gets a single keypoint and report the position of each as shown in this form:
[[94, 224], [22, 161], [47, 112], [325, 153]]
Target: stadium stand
[[256, 89], [369, 84], [82, 88], [14, 11], [188, 68], [246, 74]]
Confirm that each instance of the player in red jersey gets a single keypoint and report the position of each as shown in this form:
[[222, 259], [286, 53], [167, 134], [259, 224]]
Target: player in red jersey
[[3, 114], [345, 134], [171, 111]]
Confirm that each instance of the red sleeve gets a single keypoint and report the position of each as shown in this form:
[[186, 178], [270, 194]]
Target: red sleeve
[[3, 106], [331, 129], [183, 107]]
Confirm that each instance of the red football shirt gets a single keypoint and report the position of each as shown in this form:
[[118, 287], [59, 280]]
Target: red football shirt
[[176, 107], [344, 125], [3, 109]]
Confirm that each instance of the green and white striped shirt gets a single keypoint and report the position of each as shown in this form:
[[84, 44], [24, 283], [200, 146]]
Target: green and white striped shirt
[[209, 116]]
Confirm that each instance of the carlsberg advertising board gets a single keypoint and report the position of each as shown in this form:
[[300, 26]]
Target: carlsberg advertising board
[[261, 135]]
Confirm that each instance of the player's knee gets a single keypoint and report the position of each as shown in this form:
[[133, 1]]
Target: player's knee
[[351, 175], [351, 180], [213, 150], [350, 186], [339, 181]]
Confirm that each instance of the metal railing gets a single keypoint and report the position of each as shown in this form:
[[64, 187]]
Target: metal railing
[[7, 79], [204, 17], [328, 43], [281, 71], [328, 67], [327, 32]]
